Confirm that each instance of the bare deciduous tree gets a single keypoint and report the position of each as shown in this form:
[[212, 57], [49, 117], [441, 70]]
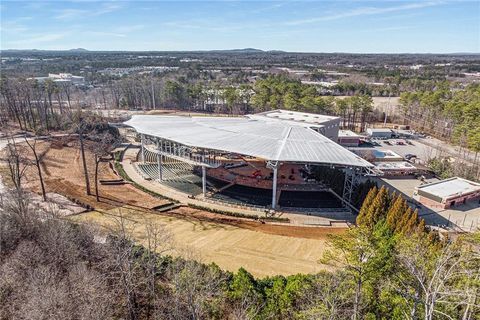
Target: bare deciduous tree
[[38, 157]]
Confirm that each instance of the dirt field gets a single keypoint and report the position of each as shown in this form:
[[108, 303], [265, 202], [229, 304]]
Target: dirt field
[[229, 246], [63, 173]]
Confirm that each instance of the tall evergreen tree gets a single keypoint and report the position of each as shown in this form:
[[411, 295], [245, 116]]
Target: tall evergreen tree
[[396, 212], [378, 208], [362, 215]]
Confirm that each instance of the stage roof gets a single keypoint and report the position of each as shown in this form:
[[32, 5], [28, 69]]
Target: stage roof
[[276, 141]]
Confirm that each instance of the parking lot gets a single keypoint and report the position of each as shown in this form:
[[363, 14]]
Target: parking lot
[[460, 218], [404, 147]]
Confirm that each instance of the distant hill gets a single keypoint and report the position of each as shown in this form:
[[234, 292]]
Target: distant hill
[[245, 50], [78, 50]]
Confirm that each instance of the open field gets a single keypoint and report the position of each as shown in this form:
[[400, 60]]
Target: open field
[[229, 246]]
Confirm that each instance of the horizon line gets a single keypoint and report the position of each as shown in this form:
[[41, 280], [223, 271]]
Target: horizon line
[[80, 50]]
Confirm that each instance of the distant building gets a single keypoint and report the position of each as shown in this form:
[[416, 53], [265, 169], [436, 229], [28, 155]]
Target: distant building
[[383, 133], [447, 193], [416, 67], [377, 155], [326, 125], [215, 97], [400, 168], [119, 72], [62, 78], [326, 84], [348, 138]]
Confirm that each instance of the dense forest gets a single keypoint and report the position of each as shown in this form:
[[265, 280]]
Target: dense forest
[[453, 115]]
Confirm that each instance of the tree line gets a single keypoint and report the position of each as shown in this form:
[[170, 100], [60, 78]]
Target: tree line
[[452, 115], [31, 104]]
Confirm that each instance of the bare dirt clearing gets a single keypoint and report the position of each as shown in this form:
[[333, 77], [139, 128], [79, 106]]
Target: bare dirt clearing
[[63, 174], [229, 246]]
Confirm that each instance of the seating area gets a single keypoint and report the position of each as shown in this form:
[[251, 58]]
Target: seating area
[[243, 194], [180, 176], [187, 179], [309, 199]]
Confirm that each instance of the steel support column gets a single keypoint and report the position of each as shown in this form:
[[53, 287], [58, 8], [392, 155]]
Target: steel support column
[[142, 139], [274, 188], [349, 184], [204, 181], [274, 165], [159, 161]]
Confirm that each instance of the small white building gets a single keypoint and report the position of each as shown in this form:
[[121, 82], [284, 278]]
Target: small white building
[[377, 155], [348, 138], [400, 168], [381, 133], [66, 77]]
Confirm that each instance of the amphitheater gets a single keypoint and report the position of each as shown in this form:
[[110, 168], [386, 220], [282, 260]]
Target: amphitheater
[[258, 162]]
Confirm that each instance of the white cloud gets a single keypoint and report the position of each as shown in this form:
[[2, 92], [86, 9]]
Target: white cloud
[[127, 29], [106, 34], [364, 11], [13, 27], [68, 14], [105, 8]]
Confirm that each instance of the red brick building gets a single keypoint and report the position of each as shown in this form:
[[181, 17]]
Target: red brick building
[[447, 193]]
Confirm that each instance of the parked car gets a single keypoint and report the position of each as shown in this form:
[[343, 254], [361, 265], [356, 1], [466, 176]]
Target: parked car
[[409, 156]]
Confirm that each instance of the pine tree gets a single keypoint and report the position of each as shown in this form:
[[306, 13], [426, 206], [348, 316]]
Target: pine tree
[[411, 222], [395, 212], [421, 226], [361, 218], [378, 209]]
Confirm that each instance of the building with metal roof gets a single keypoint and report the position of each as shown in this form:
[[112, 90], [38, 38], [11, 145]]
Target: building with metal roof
[[271, 141], [447, 193], [326, 125], [396, 168], [201, 141], [348, 138]]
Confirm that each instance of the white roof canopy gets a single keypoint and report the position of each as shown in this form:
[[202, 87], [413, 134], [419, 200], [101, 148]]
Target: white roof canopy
[[276, 141]]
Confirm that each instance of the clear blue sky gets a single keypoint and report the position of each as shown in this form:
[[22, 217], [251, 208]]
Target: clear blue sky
[[300, 26]]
